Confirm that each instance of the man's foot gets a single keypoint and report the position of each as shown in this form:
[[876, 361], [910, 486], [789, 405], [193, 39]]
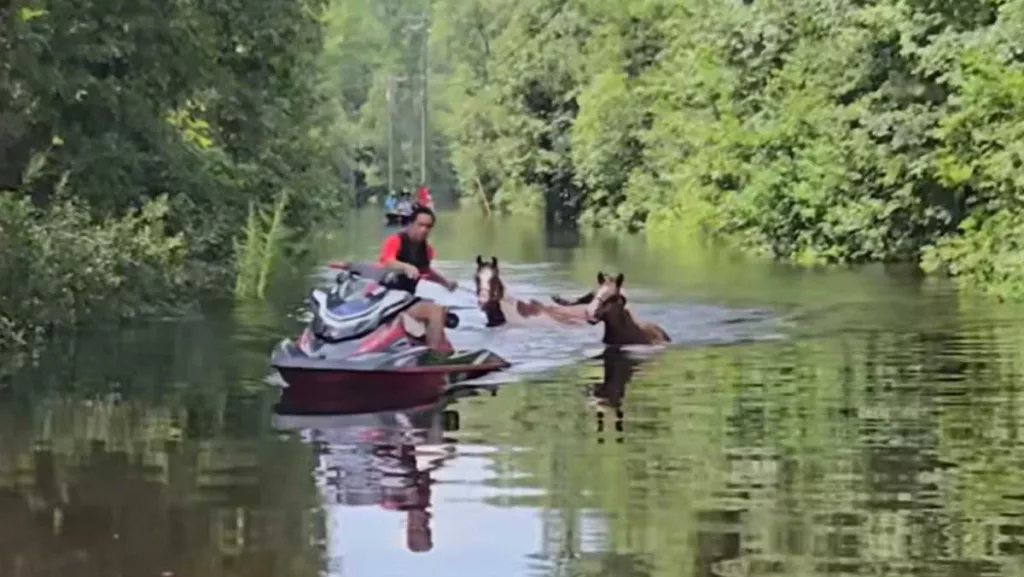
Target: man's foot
[[449, 357], [436, 357]]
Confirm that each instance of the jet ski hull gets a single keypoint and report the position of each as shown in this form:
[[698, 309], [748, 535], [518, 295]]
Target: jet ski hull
[[374, 381]]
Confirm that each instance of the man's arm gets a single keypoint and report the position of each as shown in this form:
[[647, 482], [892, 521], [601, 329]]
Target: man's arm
[[436, 276]]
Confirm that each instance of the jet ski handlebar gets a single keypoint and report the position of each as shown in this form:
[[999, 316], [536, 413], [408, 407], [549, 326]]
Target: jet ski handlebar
[[375, 272], [379, 274]]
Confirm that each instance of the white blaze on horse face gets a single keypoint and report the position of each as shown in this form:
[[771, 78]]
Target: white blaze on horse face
[[603, 293], [483, 292]]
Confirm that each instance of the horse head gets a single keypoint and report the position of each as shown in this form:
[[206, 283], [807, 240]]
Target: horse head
[[608, 298], [489, 288]]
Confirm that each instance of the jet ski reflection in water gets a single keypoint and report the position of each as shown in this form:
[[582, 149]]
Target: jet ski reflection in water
[[360, 350], [383, 458]]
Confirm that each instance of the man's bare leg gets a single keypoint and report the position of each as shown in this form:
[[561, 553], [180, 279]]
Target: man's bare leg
[[431, 315]]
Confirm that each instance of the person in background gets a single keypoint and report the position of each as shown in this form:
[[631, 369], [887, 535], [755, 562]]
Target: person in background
[[410, 253], [390, 202], [423, 197], [404, 206]]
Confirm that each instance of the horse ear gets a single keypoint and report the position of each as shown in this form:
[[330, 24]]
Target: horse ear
[[600, 277], [479, 261], [494, 262], [618, 280]]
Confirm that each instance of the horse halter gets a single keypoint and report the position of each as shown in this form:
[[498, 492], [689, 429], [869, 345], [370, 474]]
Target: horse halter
[[490, 301], [601, 302]]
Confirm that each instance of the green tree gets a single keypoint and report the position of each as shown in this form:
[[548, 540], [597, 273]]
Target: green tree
[[188, 114], [814, 131]]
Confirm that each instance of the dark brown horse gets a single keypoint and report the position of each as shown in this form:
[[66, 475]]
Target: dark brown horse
[[608, 305], [501, 309]]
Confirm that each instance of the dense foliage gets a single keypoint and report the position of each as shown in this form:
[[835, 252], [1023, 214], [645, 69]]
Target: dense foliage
[[807, 130], [141, 143], [136, 137]]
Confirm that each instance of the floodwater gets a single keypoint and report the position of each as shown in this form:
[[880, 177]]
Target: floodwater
[[804, 423]]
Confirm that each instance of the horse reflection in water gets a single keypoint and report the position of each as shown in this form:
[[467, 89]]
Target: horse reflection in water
[[384, 458], [607, 396]]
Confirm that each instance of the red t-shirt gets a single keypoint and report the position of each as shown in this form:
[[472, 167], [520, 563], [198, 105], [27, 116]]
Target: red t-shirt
[[392, 244], [423, 195]]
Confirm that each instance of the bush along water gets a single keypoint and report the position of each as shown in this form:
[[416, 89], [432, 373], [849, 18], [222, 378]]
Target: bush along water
[[135, 155], [59, 266]]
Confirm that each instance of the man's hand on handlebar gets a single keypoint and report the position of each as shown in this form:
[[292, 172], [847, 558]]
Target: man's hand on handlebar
[[413, 273], [410, 271]]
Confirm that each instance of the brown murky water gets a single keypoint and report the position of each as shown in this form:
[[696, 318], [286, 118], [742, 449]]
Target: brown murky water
[[805, 424]]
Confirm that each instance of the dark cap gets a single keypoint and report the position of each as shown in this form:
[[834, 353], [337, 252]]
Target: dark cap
[[420, 209]]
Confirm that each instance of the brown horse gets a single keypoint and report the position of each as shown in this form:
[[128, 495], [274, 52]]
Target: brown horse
[[502, 309], [620, 328]]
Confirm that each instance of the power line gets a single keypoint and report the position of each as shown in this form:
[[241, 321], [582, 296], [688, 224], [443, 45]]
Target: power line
[[424, 19]]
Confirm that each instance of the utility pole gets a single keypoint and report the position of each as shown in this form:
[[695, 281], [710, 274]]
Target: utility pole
[[393, 82], [424, 72], [391, 135], [352, 164]]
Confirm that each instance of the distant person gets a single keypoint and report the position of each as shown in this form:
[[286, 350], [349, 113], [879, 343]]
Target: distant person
[[390, 203], [410, 252], [423, 197], [404, 207]]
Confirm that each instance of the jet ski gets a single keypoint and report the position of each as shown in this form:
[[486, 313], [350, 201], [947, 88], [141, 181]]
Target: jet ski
[[360, 349], [404, 211]]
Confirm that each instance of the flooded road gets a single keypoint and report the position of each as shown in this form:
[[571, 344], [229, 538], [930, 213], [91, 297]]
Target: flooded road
[[804, 423]]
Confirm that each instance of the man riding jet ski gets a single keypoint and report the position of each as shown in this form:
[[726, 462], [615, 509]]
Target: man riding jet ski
[[409, 252], [360, 328]]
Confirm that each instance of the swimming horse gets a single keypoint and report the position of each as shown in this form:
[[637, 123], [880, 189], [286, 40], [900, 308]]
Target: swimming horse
[[608, 305], [502, 309]]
